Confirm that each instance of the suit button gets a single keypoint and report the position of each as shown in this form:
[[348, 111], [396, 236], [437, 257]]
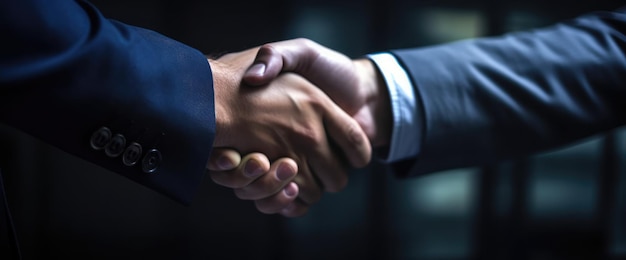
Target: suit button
[[131, 154], [151, 161], [100, 138], [116, 146]]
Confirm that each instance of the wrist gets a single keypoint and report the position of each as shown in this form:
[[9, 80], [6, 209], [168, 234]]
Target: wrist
[[378, 104], [224, 86]]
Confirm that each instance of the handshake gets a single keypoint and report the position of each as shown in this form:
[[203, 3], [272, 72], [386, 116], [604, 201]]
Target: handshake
[[299, 113]]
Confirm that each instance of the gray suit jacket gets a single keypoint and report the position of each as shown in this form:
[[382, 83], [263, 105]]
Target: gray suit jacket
[[486, 100]]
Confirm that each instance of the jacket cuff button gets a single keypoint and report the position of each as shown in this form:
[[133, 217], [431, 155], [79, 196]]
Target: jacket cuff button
[[132, 154], [100, 138], [151, 161], [116, 146]]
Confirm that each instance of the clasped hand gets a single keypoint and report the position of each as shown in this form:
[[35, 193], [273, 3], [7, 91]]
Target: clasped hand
[[267, 111]]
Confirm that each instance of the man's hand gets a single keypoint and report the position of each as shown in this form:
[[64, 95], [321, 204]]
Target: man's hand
[[288, 118], [254, 174], [355, 85]]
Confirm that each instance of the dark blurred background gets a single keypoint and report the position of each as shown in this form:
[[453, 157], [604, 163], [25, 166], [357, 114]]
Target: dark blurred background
[[564, 204]]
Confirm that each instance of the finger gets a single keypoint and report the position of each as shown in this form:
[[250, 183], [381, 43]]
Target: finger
[[223, 159], [348, 135], [279, 201], [295, 209], [353, 144], [252, 166], [310, 188], [280, 175], [327, 166]]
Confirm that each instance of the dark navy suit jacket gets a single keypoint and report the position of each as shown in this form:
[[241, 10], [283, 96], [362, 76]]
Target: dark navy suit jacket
[[490, 99], [125, 98]]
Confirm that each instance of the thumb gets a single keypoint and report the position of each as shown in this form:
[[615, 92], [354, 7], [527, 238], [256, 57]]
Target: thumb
[[268, 63], [287, 56]]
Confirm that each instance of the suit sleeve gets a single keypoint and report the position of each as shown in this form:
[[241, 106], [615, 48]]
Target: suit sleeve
[[124, 98], [490, 99]]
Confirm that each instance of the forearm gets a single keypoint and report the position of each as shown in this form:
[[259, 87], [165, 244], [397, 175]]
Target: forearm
[[490, 99], [68, 75]]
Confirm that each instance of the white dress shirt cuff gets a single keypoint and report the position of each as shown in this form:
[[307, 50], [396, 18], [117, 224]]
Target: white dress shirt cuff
[[405, 137]]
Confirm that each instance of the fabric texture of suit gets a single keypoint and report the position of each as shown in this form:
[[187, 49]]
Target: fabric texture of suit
[[496, 98], [66, 72]]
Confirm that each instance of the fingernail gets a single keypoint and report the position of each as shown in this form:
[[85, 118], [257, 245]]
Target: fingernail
[[225, 163], [285, 172], [252, 169], [291, 190], [257, 69]]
